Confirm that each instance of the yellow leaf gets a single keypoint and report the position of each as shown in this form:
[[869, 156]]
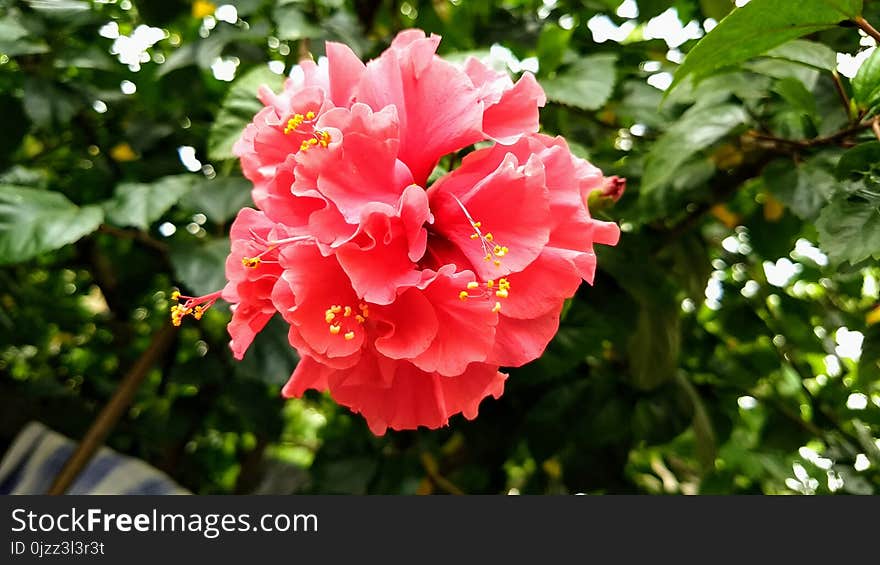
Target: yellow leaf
[[725, 216], [201, 9], [122, 152], [552, 468], [873, 316], [773, 209]]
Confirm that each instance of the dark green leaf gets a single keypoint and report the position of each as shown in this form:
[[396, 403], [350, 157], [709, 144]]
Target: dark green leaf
[[808, 53], [586, 84], [239, 108], [796, 94], [695, 131], [654, 347], [220, 199], [805, 188], [202, 268], [139, 204], [758, 27], [866, 83], [552, 44], [291, 23], [849, 230], [34, 221]]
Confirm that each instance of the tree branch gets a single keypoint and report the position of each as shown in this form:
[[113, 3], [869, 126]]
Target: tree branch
[[113, 410]]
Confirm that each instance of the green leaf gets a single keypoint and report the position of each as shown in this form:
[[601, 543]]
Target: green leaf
[[46, 104], [849, 230], [35, 221], [866, 83], [807, 53], [587, 84], [140, 204], [220, 199], [796, 94], [238, 109], [861, 160], [697, 129], [292, 24], [758, 27], [805, 189], [655, 345], [201, 268], [552, 44]]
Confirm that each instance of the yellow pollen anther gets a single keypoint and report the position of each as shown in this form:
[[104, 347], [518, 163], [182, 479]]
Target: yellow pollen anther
[[477, 224], [497, 307], [473, 284], [490, 283], [335, 328], [336, 309], [497, 263], [310, 115], [489, 236], [501, 293], [347, 312], [329, 316], [360, 319], [349, 336], [365, 310], [250, 262], [487, 257], [175, 295], [463, 295], [475, 236], [294, 123]]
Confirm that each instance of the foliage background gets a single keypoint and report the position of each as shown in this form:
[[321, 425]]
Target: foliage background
[[719, 351]]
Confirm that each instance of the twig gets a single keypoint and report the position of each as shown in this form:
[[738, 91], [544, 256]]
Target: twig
[[867, 27], [816, 141], [841, 91], [431, 468], [112, 411]]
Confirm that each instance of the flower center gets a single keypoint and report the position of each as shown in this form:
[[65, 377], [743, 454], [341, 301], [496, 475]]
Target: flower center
[[492, 250], [342, 320], [488, 290], [304, 124]]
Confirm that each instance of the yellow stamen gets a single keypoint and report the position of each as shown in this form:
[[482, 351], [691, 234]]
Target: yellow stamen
[[489, 236], [463, 295], [501, 293], [360, 319], [349, 336], [250, 262], [310, 115], [329, 316], [473, 284], [347, 313], [490, 283], [335, 328], [497, 307], [175, 295]]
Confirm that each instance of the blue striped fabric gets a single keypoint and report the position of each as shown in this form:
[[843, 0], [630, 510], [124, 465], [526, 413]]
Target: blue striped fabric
[[37, 455]]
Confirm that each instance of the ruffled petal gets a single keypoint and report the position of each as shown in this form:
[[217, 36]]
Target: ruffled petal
[[511, 203], [466, 328], [438, 106]]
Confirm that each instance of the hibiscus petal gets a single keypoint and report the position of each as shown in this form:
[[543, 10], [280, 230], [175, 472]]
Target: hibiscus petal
[[438, 105], [511, 203], [308, 374], [466, 327], [518, 342]]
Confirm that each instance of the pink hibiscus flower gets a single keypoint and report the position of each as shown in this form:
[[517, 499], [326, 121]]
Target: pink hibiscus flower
[[404, 299]]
